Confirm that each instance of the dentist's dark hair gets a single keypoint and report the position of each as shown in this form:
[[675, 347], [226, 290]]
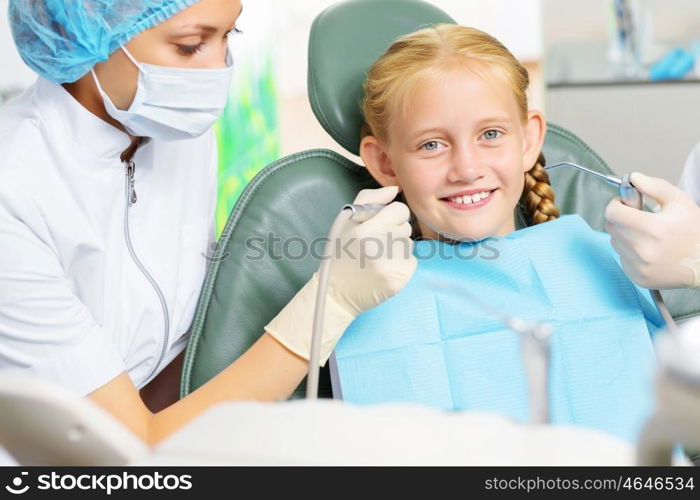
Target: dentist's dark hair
[[395, 77]]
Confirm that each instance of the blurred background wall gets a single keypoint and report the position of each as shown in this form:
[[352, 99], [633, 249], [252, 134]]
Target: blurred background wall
[[635, 122]]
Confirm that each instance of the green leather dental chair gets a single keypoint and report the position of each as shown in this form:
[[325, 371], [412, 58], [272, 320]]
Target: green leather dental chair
[[292, 202]]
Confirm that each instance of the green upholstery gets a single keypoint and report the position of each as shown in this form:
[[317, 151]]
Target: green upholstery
[[295, 199]]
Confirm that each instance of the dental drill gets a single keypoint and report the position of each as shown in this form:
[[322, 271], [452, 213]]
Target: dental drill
[[534, 335], [632, 198], [357, 213]]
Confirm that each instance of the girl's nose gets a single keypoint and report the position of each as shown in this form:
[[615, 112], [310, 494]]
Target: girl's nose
[[465, 166]]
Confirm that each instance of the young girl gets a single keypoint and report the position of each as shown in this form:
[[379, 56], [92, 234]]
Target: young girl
[[447, 120]]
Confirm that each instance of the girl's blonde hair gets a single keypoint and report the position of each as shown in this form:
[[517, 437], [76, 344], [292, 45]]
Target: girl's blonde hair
[[425, 53]]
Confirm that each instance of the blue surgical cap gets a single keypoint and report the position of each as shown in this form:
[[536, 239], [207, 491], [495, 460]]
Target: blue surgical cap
[[63, 39]]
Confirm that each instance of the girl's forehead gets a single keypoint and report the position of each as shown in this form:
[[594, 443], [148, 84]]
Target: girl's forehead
[[464, 89], [477, 79]]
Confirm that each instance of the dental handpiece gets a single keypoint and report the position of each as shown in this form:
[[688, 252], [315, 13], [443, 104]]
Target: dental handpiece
[[358, 213], [363, 212], [632, 198]]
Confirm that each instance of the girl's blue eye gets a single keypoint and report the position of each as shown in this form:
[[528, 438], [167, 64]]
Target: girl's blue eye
[[492, 134], [430, 145]]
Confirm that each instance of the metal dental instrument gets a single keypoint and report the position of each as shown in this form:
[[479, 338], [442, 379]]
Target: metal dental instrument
[[361, 213], [536, 359], [632, 198], [629, 194], [357, 213]]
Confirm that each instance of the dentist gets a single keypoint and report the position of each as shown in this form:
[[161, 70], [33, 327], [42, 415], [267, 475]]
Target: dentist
[[107, 199]]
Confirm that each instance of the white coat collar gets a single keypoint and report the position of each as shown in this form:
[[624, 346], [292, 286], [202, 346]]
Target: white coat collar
[[84, 128]]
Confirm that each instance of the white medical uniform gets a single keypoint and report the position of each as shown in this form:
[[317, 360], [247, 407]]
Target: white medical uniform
[[74, 306], [690, 178]]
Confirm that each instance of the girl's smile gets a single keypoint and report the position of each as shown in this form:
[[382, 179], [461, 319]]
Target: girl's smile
[[471, 199]]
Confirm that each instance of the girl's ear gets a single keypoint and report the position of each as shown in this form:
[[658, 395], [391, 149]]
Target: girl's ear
[[535, 130], [377, 161]]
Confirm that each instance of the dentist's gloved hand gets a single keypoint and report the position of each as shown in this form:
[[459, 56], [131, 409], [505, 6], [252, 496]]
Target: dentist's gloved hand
[[364, 273], [657, 249]]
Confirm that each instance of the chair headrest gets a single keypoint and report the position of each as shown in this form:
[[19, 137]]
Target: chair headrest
[[345, 40]]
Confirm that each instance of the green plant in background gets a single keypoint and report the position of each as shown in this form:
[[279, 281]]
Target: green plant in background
[[247, 133]]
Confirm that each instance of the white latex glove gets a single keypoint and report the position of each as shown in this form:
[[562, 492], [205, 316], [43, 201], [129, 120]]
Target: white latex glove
[[657, 249], [371, 262]]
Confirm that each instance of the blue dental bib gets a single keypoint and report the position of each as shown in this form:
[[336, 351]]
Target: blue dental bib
[[430, 344]]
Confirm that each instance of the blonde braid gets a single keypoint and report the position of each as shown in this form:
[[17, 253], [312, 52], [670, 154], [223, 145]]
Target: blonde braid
[[538, 195]]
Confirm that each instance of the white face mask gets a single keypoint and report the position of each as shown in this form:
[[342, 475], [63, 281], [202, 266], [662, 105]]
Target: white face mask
[[172, 103]]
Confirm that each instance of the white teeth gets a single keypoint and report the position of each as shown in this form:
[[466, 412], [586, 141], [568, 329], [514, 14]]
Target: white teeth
[[468, 200]]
